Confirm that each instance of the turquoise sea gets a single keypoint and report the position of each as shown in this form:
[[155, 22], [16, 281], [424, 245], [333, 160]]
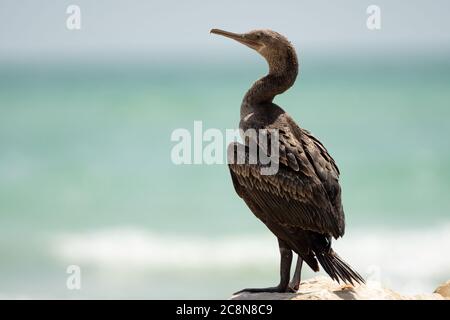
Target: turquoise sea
[[86, 176]]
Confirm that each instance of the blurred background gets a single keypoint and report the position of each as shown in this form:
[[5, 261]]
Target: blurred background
[[86, 117]]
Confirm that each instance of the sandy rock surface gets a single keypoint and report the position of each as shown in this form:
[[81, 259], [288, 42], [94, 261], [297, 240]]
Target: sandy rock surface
[[323, 288]]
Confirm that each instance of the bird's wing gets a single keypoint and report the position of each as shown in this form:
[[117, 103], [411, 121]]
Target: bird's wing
[[303, 193], [328, 173]]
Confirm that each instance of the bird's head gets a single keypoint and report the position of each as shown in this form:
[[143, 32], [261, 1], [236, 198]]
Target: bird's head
[[274, 47]]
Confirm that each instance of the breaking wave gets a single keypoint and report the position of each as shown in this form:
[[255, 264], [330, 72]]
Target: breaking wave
[[410, 261]]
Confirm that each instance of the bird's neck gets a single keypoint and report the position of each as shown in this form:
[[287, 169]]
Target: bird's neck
[[282, 74]]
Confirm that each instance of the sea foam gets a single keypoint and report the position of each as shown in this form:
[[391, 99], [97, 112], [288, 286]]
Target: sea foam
[[409, 261]]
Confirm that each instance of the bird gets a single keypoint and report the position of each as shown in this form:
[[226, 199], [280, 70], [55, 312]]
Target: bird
[[301, 202]]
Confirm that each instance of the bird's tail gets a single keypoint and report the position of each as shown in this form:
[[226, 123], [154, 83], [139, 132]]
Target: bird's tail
[[337, 268]]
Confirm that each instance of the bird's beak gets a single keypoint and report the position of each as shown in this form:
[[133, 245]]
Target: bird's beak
[[238, 37]]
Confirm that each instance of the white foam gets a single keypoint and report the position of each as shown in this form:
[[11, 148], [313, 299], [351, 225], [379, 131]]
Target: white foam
[[125, 248], [411, 261]]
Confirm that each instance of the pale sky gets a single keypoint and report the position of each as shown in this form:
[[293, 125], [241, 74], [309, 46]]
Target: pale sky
[[121, 28]]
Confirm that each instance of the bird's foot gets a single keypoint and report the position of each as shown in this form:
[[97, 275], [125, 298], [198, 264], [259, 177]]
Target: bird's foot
[[277, 289], [294, 286]]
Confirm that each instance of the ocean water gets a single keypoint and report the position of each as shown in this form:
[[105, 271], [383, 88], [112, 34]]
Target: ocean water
[[86, 176]]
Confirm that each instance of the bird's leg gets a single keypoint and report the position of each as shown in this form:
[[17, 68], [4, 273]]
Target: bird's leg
[[285, 270], [295, 282]]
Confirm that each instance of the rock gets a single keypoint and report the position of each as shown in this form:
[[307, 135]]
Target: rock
[[323, 288], [444, 290]]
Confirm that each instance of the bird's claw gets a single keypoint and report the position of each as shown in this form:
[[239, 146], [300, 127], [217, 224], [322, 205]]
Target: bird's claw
[[293, 288], [277, 289]]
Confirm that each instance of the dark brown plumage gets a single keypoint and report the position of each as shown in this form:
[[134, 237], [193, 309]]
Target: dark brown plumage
[[301, 203]]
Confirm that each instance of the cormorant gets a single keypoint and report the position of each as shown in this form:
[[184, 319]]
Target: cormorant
[[301, 203]]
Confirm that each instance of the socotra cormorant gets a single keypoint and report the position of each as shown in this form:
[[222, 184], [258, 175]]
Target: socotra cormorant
[[301, 202]]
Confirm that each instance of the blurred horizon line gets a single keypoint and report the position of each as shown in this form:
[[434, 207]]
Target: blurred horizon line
[[342, 55]]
